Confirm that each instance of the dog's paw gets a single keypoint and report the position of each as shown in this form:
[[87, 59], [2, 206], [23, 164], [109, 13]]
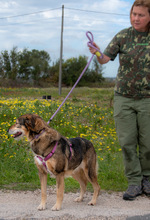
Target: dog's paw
[[41, 207], [78, 199], [56, 207], [92, 203]]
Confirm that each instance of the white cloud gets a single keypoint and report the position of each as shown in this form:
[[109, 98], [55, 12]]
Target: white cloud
[[111, 6], [42, 30], [7, 4]]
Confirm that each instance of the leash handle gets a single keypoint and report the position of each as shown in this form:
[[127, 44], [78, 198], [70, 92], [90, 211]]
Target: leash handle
[[90, 44]]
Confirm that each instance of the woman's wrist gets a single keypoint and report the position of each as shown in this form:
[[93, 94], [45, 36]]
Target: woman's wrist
[[98, 54]]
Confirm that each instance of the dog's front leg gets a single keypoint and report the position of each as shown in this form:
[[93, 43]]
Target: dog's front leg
[[43, 180], [60, 192]]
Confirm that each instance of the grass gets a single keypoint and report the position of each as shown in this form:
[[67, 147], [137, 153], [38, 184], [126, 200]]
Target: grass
[[87, 113]]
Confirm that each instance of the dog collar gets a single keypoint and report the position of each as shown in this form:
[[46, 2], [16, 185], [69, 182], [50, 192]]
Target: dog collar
[[38, 135]]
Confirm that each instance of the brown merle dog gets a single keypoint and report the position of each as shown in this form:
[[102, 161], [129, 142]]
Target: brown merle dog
[[59, 156]]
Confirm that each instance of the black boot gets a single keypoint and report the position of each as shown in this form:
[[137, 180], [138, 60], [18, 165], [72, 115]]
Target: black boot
[[132, 192], [146, 185]]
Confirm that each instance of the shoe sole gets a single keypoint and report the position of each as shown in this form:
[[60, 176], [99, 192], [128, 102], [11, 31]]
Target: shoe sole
[[147, 194], [131, 198]]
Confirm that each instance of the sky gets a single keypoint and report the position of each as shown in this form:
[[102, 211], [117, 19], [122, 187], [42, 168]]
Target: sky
[[36, 24]]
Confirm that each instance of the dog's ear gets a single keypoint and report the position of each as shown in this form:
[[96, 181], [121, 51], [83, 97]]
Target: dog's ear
[[39, 123], [29, 122]]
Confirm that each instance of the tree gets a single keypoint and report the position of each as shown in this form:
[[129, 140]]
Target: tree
[[24, 60], [14, 63], [72, 69], [33, 64], [40, 64], [2, 74], [96, 72], [6, 64], [54, 71]]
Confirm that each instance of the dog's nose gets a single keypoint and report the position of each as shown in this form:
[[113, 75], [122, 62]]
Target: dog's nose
[[8, 130]]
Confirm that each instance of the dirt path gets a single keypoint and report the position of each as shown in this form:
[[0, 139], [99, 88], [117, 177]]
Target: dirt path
[[16, 205]]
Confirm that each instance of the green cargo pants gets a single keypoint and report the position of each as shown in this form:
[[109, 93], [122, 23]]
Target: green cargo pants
[[132, 121]]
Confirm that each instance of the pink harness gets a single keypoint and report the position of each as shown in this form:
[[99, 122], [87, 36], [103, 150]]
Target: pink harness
[[50, 155]]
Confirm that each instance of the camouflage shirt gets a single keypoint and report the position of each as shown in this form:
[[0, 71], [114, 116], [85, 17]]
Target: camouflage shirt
[[133, 78]]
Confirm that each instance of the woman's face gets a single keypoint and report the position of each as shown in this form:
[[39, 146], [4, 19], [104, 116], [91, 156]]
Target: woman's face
[[140, 18]]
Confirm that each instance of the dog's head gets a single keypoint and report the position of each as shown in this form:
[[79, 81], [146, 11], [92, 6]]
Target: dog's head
[[27, 125]]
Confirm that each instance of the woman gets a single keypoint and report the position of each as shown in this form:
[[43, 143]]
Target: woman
[[132, 97]]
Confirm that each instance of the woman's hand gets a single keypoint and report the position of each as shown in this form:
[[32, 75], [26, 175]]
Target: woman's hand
[[102, 60], [92, 50]]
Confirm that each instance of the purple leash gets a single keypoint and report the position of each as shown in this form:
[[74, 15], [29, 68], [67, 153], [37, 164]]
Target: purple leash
[[90, 44]]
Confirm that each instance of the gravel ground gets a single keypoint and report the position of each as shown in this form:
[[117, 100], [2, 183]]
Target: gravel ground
[[22, 205]]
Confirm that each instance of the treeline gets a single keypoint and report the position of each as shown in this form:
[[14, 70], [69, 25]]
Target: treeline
[[36, 66]]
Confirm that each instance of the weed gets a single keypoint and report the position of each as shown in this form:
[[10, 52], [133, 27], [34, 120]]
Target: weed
[[87, 113]]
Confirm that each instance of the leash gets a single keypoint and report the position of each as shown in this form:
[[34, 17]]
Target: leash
[[90, 44], [98, 53]]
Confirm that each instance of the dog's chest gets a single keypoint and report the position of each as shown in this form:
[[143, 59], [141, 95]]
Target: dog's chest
[[47, 166], [50, 167]]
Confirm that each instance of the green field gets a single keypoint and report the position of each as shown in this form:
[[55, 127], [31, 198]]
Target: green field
[[88, 113]]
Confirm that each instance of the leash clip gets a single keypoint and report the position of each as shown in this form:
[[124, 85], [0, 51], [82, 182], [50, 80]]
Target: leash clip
[[90, 44]]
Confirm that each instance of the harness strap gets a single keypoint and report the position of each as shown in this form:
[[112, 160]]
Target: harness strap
[[47, 157], [50, 155], [70, 152]]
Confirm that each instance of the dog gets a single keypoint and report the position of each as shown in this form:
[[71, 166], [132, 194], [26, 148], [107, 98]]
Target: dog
[[58, 156]]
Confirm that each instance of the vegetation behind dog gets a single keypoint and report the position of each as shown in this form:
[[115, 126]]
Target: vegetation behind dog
[[87, 113]]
